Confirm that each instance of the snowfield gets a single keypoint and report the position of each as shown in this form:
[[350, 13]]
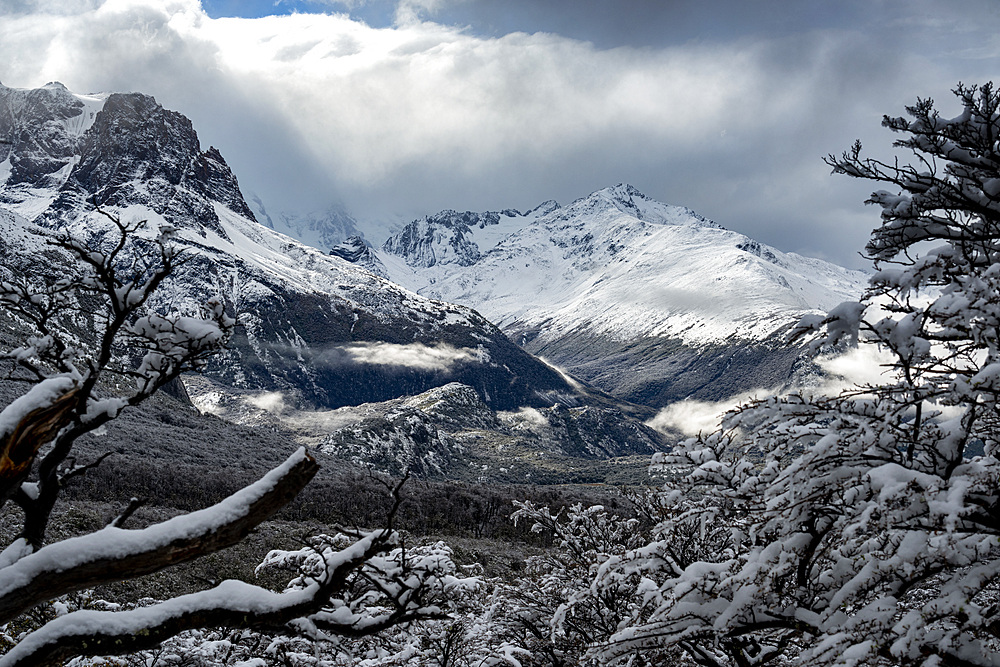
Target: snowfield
[[620, 265]]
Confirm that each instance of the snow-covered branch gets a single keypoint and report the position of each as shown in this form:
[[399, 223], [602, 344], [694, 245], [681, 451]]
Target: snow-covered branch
[[107, 283], [113, 554], [858, 529]]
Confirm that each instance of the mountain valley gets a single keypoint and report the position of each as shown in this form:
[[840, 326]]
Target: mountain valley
[[649, 302], [420, 354]]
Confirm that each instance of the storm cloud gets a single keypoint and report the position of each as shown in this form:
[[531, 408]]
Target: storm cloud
[[459, 105]]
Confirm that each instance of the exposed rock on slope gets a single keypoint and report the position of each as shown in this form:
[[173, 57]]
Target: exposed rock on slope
[[114, 150], [357, 252], [449, 432], [650, 302], [313, 324], [452, 238]]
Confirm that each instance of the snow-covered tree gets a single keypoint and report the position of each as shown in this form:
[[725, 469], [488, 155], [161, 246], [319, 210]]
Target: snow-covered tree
[[453, 641], [862, 529], [546, 616], [554, 614], [96, 346]]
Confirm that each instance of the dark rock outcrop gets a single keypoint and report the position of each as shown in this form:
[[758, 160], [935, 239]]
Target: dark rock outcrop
[[128, 150], [357, 252], [442, 238]]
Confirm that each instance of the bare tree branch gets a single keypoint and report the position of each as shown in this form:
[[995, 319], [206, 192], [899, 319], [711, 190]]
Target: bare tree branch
[[133, 505]]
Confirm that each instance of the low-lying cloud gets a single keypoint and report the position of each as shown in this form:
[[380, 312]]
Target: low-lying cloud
[[860, 366], [417, 356], [307, 426], [692, 417], [269, 401], [435, 357]]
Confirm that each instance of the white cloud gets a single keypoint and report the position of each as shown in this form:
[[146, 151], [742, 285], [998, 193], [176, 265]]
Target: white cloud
[[270, 401], [863, 365], [860, 366], [418, 117], [439, 357], [530, 418], [692, 417]]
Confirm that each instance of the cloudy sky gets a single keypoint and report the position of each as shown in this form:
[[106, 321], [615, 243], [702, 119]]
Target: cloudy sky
[[399, 108]]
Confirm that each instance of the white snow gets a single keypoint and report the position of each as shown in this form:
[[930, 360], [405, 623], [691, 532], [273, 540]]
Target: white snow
[[618, 265], [116, 543], [29, 203], [42, 395], [490, 236], [250, 257], [92, 105], [229, 594]]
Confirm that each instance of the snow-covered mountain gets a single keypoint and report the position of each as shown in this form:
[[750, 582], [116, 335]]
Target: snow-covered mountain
[[318, 229], [313, 324], [449, 432], [452, 238], [649, 301]]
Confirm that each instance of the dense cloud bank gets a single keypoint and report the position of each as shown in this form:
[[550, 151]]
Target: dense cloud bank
[[405, 120]]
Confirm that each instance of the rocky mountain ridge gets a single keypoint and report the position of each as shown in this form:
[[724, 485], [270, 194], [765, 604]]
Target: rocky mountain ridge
[[450, 237], [650, 302], [449, 433], [313, 325]]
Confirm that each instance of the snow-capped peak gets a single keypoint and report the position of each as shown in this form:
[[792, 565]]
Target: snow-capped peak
[[628, 200], [619, 265], [74, 113], [312, 323], [544, 208]]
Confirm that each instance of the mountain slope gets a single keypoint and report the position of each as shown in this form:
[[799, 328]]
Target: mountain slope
[[449, 432], [313, 325], [320, 229], [648, 301]]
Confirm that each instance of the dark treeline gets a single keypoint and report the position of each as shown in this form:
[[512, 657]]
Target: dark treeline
[[345, 497]]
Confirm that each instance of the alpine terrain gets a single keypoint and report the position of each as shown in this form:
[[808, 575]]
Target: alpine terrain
[[313, 324], [650, 302]]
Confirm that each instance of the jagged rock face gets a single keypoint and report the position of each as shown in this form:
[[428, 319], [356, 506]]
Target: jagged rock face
[[35, 124], [353, 249], [452, 238], [443, 238], [311, 324], [357, 252], [137, 152], [544, 208], [113, 151]]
